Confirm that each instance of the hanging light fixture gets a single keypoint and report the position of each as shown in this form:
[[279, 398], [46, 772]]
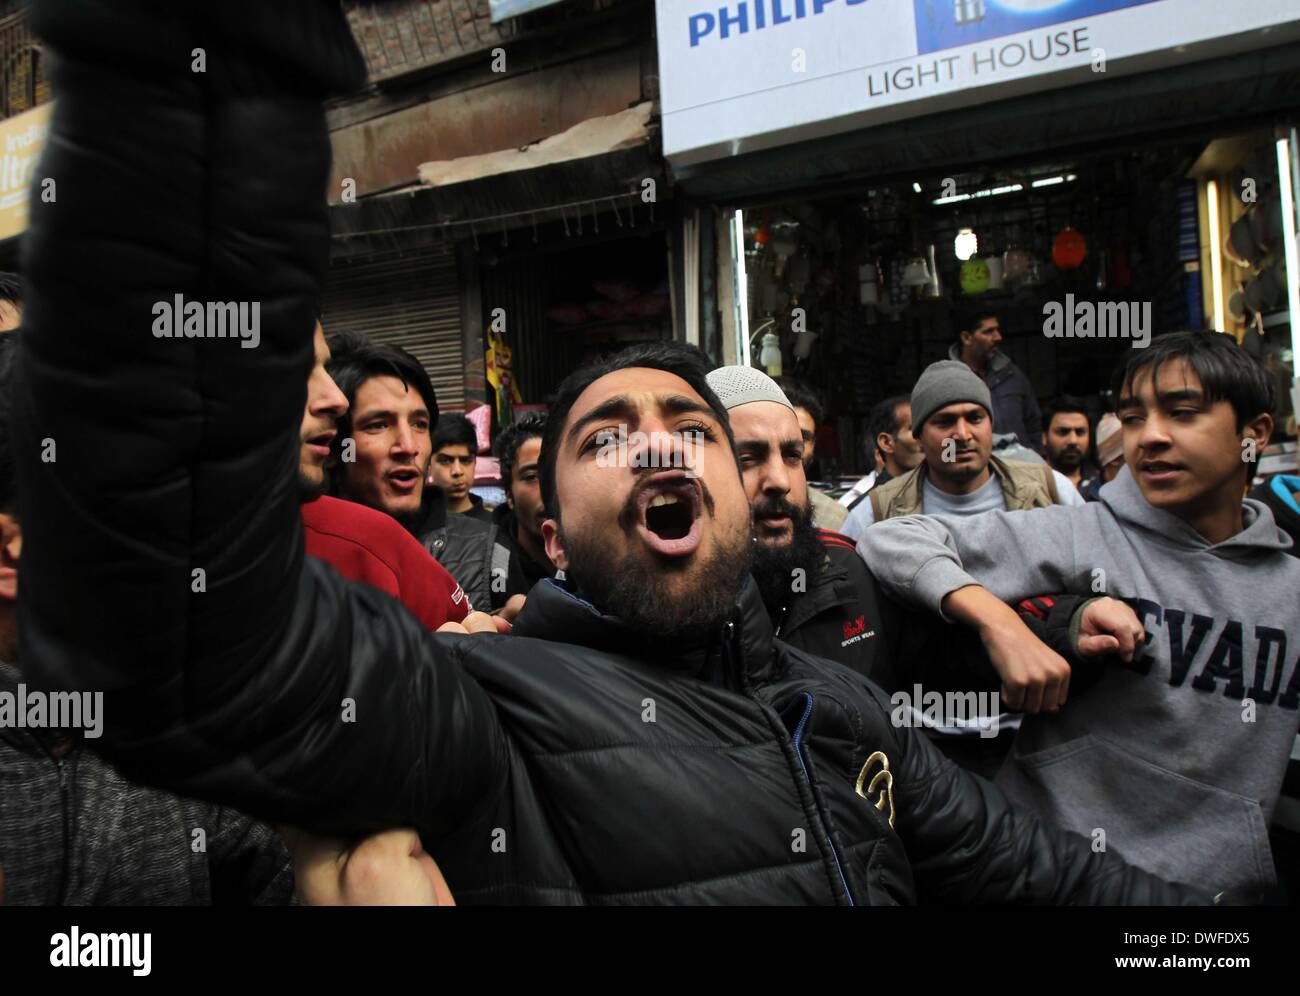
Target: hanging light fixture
[[966, 244]]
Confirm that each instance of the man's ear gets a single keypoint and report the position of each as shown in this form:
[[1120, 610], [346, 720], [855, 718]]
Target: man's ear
[[11, 547], [554, 544], [885, 443], [1260, 429]]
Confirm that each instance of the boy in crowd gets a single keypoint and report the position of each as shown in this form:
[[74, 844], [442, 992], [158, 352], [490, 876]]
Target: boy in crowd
[[519, 558], [1176, 758], [455, 456]]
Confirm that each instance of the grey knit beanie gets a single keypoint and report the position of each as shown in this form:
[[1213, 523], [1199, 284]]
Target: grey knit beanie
[[946, 383], [736, 386]]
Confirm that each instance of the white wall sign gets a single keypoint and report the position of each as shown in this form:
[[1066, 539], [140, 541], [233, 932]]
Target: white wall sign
[[742, 75]]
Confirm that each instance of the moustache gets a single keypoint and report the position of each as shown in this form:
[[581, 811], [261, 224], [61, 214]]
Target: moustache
[[774, 507]]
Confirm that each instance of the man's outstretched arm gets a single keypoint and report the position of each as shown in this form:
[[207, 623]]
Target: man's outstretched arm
[[163, 560]]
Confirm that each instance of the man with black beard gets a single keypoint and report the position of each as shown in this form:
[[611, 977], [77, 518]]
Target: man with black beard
[[817, 590]]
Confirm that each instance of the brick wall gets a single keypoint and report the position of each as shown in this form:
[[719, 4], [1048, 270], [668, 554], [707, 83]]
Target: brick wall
[[404, 35]]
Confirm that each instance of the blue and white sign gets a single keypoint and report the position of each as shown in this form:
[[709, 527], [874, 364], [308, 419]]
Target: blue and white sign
[[944, 24], [737, 76]]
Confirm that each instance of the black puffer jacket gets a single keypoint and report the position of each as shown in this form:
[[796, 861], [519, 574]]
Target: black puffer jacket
[[573, 766]]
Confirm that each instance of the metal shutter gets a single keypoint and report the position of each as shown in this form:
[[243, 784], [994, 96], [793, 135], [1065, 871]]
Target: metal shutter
[[408, 299]]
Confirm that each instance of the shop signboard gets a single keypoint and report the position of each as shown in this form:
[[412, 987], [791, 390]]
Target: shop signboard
[[22, 138], [741, 75]]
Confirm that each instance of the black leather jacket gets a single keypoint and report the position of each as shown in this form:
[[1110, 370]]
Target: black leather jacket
[[462, 544], [163, 565]]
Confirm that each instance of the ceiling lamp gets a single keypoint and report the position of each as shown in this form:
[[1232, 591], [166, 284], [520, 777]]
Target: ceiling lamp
[[966, 244]]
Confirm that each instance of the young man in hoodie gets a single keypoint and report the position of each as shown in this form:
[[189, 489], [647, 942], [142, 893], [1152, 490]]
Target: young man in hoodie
[[1175, 759]]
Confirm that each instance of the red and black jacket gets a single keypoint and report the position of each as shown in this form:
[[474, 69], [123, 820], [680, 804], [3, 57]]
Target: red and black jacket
[[842, 615]]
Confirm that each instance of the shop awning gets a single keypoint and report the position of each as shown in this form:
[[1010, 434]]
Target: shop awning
[[598, 165], [593, 137]]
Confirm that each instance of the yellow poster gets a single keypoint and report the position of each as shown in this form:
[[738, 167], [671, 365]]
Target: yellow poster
[[22, 138]]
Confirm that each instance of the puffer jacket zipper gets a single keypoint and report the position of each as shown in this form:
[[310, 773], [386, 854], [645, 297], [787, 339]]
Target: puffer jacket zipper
[[735, 660], [797, 739]]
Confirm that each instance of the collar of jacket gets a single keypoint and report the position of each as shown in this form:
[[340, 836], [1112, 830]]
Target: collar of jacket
[[433, 512], [913, 479], [830, 587], [554, 613]]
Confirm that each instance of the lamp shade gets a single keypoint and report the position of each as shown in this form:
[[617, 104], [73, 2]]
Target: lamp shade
[[1069, 250]]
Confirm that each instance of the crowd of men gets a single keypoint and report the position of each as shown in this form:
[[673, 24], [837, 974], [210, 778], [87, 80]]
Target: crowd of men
[[655, 673]]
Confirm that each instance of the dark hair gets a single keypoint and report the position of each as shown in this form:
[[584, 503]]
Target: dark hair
[[801, 395], [968, 316], [8, 484], [1066, 404], [354, 360], [1226, 371], [687, 362], [884, 418], [513, 436], [455, 430], [11, 288]]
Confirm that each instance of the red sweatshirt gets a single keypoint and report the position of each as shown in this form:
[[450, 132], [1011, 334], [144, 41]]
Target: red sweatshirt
[[366, 545]]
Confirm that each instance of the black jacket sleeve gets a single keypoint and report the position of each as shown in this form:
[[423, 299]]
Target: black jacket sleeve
[[163, 562]]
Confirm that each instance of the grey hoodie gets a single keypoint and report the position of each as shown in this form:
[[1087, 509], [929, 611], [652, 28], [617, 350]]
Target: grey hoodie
[[1176, 760]]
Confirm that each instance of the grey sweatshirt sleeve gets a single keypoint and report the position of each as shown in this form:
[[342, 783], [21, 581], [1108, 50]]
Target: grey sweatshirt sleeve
[[921, 558]]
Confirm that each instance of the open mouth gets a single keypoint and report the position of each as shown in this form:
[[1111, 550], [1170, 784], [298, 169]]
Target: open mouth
[[404, 479], [669, 508], [320, 443]]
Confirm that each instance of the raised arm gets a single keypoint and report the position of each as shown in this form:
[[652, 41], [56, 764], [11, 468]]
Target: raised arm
[[163, 561]]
